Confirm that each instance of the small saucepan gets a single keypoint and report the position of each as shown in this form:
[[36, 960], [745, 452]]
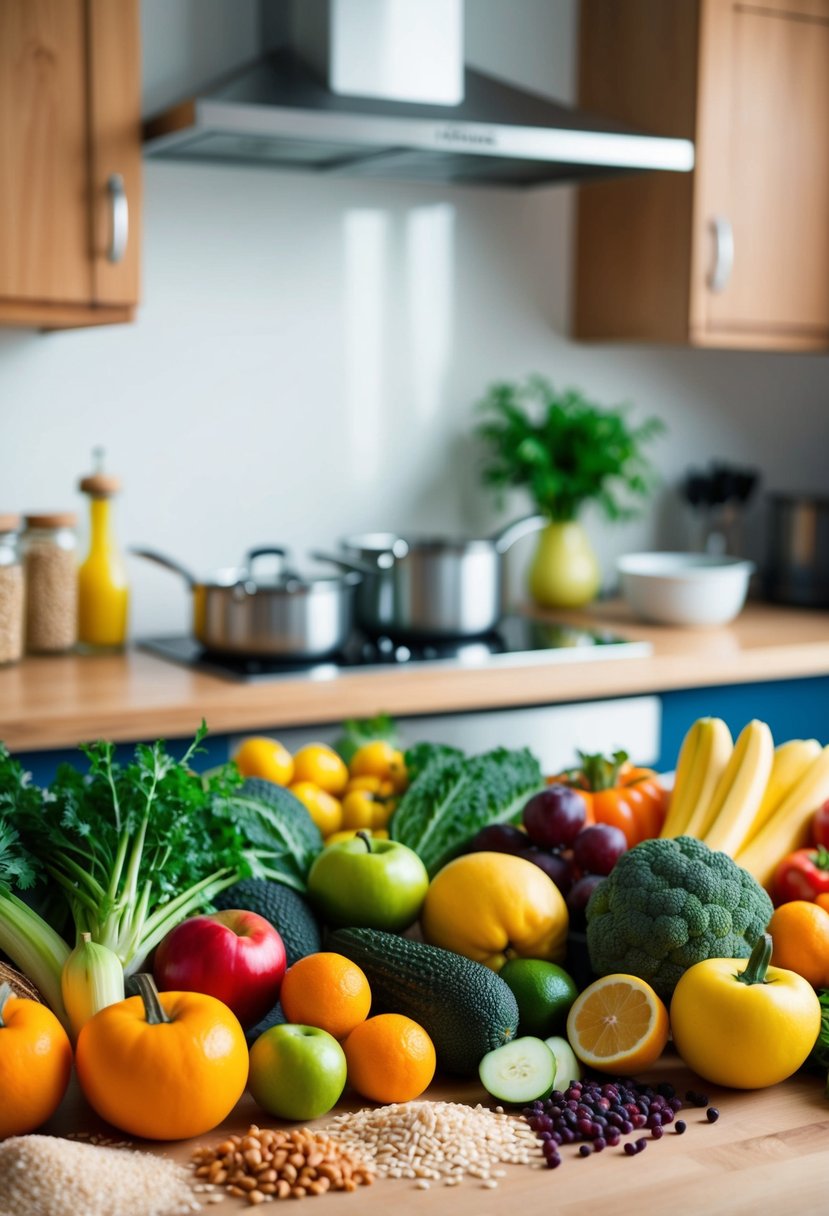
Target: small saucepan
[[432, 587], [289, 616]]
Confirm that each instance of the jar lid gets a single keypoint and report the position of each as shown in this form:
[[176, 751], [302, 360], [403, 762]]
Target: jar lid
[[9, 522], [52, 519]]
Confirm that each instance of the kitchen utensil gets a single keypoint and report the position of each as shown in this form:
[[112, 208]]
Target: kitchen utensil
[[718, 499], [289, 616], [684, 588], [433, 586], [798, 559]]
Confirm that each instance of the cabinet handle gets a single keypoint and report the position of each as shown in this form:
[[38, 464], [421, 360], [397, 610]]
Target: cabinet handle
[[120, 213], [723, 253]]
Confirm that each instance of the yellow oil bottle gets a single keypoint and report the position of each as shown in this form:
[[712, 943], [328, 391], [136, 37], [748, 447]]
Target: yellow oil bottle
[[103, 594]]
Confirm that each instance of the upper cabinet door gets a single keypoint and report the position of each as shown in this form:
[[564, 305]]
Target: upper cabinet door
[[44, 221], [761, 213], [115, 146]]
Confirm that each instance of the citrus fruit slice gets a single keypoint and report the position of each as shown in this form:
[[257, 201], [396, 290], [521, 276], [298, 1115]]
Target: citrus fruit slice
[[520, 1071], [618, 1024]]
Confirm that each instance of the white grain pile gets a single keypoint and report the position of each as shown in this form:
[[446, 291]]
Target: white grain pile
[[47, 1176], [438, 1141]]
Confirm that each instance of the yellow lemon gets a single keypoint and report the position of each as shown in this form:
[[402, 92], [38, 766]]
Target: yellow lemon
[[326, 812], [320, 764], [267, 758]]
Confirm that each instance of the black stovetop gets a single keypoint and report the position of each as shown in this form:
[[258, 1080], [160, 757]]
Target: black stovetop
[[518, 641]]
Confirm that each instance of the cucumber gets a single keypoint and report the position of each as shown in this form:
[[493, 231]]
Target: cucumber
[[520, 1071], [466, 1009], [567, 1066]]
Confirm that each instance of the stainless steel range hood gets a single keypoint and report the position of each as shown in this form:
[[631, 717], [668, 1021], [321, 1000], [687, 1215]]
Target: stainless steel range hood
[[279, 113]]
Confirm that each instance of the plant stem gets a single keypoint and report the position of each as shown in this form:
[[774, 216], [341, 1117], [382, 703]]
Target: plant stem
[[153, 1009], [35, 948], [758, 963]]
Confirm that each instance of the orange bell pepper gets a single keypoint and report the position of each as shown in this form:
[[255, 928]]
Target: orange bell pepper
[[620, 793]]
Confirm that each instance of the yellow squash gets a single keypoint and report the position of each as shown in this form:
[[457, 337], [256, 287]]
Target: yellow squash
[[742, 1023], [491, 907]]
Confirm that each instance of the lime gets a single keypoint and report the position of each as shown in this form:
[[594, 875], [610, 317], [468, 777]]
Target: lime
[[544, 993]]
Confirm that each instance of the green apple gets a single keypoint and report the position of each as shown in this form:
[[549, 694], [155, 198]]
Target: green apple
[[296, 1072], [567, 1066], [370, 884]]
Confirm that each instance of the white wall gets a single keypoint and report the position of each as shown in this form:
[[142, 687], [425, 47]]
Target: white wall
[[308, 350]]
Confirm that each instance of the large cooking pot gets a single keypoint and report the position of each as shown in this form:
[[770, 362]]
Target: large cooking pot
[[433, 586], [288, 616]]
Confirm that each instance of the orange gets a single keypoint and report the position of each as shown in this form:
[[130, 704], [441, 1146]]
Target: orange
[[326, 812], [822, 900], [320, 764], [390, 1058], [267, 758], [800, 935], [618, 1024], [326, 990], [35, 1064]]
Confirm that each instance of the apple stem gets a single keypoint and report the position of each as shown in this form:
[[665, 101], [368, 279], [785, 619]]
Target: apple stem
[[153, 1009], [364, 836]]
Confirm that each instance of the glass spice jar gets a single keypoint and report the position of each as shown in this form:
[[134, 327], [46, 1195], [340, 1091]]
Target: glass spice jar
[[51, 568], [11, 590]]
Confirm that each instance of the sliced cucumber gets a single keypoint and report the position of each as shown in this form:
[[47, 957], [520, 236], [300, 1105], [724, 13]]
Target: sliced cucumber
[[567, 1066], [520, 1071]]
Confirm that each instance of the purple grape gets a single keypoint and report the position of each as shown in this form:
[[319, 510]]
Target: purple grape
[[554, 817], [498, 838], [554, 866], [597, 849], [578, 896]]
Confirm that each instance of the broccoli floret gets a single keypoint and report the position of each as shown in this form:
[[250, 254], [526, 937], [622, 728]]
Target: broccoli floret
[[669, 904]]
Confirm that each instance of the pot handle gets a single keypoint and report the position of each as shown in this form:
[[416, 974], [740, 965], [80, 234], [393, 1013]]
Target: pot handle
[[169, 563], [507, 537], [356, 570], [291, 580]]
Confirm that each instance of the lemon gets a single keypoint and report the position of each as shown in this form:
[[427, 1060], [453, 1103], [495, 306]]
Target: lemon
[[326, 811], [380, 759], [266, 758], [320, 764]]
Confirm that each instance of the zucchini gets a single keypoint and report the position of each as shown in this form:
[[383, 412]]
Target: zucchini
[[466, 1009]]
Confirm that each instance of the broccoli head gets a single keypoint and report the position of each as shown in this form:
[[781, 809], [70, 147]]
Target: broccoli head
[[669, 904]]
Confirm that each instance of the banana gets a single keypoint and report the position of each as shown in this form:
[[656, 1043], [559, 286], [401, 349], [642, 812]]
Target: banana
[[740, 790], [92, 978], [702, 758], [790, 763], [788, 827]]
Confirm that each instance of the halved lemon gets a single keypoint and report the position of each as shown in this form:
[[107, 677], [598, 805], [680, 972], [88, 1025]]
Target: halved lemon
[[618, 1024]]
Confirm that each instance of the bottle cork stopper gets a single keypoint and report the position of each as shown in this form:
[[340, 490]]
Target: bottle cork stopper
[[98, 483]]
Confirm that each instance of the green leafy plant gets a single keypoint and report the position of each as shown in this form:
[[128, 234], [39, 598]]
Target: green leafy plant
[[566, 450]]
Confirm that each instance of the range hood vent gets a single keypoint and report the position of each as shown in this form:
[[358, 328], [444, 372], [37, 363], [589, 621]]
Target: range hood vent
[[279, 113]]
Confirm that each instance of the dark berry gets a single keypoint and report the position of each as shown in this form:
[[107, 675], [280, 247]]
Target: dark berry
[[679, 1127], [712, 1114], [584, 1151], [657, 1131], [630, 1149]]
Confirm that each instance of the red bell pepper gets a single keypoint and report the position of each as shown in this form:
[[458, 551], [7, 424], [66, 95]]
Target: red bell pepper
[[802, 875]]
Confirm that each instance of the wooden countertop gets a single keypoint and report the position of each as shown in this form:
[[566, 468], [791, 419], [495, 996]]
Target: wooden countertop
[[58, 702], [769, 1151]]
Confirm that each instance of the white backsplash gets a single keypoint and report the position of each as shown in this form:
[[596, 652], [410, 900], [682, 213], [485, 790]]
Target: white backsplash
[[308, 352]]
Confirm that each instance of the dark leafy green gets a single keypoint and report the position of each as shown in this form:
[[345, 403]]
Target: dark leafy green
[[277, 829], [421, 755], [453, 797]]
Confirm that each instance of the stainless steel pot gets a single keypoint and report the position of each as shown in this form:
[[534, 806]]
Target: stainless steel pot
[[288, 617], [798, 560], [433, 586]]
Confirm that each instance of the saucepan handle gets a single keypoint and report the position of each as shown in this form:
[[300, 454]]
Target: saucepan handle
[[507, 537], [169, 563]]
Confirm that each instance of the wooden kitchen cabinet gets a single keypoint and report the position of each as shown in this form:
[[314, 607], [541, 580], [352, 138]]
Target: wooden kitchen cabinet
[[70, 162], [735, 254]]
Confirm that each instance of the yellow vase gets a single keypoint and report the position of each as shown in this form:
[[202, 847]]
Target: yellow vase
[[564, 572]]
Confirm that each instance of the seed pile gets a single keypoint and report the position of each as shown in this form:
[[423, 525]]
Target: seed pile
[[438, 1141], [264, 1165], [47, 1176], [51, 598], [598, 1115]]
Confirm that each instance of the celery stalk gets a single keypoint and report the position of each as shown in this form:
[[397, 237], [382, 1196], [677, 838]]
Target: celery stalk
[[35, 948]]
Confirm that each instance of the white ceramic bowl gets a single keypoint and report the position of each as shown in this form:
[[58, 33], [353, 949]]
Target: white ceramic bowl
[[684, 588]]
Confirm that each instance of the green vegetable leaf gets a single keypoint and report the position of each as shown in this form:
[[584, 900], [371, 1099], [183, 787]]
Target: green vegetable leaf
[[452, 798], [282, 840]]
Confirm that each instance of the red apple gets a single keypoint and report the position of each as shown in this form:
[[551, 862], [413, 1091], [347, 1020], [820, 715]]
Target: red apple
[[236, 956]]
